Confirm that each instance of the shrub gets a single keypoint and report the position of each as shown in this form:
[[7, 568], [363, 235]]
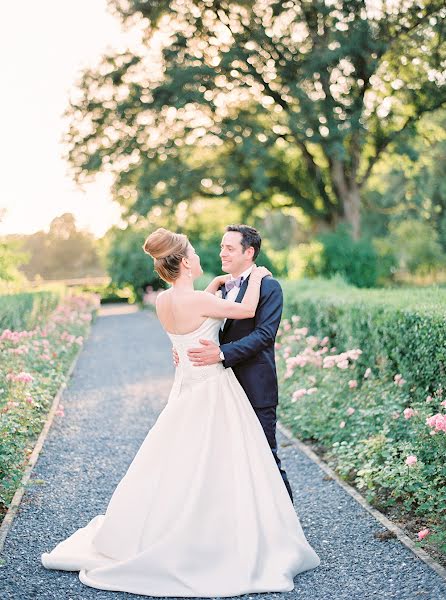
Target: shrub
[[23, 310], [369, 427], [128, 265], [355, 260], [415, 245], [399, 331], [305, 260]]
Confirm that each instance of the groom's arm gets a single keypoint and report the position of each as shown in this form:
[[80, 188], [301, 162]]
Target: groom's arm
[[267, 320]]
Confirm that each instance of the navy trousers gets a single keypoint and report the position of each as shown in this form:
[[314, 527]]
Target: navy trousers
[[268, 419]]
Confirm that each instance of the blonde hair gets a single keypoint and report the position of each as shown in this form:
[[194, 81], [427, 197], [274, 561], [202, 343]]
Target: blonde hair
[[167, 249]]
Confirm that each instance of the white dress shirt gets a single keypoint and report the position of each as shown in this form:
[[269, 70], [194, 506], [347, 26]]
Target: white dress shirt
[[232, 294]]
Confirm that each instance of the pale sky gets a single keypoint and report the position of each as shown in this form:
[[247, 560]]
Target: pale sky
[[43, 46]]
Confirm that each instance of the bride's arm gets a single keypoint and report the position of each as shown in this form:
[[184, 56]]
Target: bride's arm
[[211, 306]]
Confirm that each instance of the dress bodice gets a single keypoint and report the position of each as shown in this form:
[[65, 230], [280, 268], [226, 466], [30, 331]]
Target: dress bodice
[[186, 371]]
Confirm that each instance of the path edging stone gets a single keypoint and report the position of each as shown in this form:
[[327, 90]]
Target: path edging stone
[[380, 517]]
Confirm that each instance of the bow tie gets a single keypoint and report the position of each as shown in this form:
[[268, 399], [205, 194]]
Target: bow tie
[[232, 283]]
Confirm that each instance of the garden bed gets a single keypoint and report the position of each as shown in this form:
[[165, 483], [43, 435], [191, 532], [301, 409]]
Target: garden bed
[[362, 382], [34, 364]]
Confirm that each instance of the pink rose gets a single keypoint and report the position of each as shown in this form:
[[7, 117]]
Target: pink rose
[[21, 377], [411, 460], [299, 393], [329, 362], [342, 424], [352, 384], [408, 413], [438, 422], [398, 379], [311, 341], [350, 410], [423, 533]]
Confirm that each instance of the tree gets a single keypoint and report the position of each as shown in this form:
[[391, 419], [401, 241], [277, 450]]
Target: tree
[[63, 252], [127, 264], [411, 184], [334, 83], [10, 259], [416, 247]]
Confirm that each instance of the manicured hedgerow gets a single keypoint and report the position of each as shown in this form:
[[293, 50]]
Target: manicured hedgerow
[[398, 330]]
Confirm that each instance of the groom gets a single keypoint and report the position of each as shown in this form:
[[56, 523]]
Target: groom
[[247, 345]]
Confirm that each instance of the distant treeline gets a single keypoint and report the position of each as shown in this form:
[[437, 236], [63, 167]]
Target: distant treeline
[[62, 252]]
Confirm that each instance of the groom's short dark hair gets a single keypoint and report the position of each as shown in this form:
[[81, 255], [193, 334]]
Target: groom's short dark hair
[[250, 237]]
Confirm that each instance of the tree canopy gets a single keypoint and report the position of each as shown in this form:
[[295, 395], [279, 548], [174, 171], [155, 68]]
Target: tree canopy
[[274, 103]]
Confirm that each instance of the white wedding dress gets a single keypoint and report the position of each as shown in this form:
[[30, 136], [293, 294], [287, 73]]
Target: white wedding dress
[[202, 510]]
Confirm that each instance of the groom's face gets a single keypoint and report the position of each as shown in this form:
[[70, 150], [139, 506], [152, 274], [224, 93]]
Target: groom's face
[[233, 259]]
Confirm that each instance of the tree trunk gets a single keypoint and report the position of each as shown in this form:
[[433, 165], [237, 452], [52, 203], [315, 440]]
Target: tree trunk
[[352, 203], [348, 194]]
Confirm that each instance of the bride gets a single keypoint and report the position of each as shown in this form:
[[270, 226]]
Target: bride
[[202, 510]]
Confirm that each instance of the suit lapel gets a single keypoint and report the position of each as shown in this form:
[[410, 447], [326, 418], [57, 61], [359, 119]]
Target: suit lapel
[[239, 298]]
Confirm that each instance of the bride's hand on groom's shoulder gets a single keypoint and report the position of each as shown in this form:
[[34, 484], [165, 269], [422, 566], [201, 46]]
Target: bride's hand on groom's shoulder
[[260, 272]]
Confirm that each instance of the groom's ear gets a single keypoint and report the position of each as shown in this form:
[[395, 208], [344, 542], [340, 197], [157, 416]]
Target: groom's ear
[[250, 252]]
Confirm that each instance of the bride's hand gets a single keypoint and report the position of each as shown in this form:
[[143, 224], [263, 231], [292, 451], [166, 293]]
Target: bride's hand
[[260, 272], [222, 279]]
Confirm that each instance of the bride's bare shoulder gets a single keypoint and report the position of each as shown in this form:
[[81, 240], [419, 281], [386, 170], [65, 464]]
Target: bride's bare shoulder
[[161, 298], [183, 298], [199, 295]]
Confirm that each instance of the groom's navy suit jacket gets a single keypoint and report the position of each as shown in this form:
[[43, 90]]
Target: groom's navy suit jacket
[[248, 344]]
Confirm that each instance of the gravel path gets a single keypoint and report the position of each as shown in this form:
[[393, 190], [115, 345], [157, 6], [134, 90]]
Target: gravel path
[[118, 388]]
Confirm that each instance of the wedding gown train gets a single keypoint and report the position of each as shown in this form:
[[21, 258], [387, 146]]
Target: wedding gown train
[[202, 510]]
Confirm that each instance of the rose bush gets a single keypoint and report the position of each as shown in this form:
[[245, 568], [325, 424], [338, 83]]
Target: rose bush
[[33, 365], [374, 430]]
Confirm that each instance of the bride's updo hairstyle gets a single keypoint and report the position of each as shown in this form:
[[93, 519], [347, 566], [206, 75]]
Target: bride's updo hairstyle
[[167, 249]]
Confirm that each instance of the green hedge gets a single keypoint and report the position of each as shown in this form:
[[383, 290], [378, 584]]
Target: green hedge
[[23, 310], [398, 330]]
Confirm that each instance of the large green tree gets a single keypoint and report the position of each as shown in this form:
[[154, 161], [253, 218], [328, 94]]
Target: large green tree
[[295, 99]]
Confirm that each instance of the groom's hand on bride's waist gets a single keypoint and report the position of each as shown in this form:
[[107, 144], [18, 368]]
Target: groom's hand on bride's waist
[[176, 358], [208, 354]]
